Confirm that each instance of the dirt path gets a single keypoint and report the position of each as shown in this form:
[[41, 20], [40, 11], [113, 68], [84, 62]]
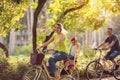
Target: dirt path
[[108, 78]]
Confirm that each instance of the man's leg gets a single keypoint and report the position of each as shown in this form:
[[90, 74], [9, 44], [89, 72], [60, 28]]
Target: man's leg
[[113, 55], [106, 57], [105, 66]]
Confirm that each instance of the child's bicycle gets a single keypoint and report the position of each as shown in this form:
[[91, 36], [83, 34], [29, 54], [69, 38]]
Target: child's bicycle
[[95, 70], [40, 72]]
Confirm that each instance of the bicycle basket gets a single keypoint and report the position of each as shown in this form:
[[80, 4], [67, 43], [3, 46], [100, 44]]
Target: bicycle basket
[[36, 58]]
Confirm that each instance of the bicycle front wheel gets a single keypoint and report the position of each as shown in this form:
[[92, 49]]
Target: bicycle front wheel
[[94, 70], [116, 73], [35, 74]]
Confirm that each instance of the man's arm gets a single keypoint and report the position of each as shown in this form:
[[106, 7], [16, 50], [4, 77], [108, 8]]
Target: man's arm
[[103, 43], [111, 44]]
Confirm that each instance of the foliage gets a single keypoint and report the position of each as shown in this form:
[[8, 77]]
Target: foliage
[[41, 37], [10, 14], [13, 68], [23, 50], [92, 16]]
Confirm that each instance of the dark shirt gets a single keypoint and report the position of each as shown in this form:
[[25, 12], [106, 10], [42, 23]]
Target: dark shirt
[[116, 46]]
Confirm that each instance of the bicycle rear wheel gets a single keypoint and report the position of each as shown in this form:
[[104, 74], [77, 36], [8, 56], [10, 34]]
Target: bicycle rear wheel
[[116, 73], [75, 74], [70, 74], [94, 70], [35, 74]]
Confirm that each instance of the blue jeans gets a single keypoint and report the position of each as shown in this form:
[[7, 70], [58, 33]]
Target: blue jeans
[[71, 57], [57, 56], [111, 55]]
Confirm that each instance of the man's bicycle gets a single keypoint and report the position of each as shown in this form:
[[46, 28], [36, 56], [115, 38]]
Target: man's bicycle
[[40, 72], [95, 69]]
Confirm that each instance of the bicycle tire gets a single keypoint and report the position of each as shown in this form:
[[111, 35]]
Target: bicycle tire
[[35, 74], [70, 74], [94, 70], [75, 74], [116, 73]]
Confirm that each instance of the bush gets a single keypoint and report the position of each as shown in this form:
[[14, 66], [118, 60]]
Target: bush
[[23, 50], [13, 68]]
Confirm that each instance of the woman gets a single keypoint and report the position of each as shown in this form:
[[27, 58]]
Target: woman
[[59, 47]]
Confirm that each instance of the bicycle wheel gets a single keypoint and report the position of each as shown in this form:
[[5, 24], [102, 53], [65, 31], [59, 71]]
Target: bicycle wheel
[[35, 74], [94, 70], [116, 73], [75, 74], [70, 74]]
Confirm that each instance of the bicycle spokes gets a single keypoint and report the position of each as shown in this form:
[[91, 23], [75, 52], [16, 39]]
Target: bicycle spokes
[[94, 70]]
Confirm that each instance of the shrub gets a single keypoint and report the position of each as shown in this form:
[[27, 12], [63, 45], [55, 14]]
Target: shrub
[[13, 68], [23, 50]]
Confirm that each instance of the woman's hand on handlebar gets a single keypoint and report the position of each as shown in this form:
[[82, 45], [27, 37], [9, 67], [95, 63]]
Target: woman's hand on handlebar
[[51, 49], [38, 48]]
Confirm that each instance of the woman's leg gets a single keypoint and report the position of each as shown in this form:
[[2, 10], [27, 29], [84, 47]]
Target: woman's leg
[[52, 60]]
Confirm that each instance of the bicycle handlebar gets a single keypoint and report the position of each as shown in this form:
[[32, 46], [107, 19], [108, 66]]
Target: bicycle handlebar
[[43, 51], [100, 49]]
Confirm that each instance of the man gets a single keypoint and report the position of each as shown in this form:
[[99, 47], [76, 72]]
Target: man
[[59, 47], [113, 46]]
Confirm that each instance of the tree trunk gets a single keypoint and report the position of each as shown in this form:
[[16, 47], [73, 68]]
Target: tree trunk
[[36, 13], [2, 46], [12, 42], [29, 23]]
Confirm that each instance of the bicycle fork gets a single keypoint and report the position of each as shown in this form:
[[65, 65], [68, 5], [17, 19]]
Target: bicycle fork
[[38, 73]]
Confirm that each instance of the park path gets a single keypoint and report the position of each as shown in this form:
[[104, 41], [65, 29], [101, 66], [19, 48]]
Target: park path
[[108, 78]]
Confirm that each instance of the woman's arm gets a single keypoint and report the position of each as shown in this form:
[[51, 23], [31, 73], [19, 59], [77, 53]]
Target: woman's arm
[[48, 42]]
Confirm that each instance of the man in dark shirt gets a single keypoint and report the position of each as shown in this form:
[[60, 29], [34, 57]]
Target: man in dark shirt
[[113, 46]]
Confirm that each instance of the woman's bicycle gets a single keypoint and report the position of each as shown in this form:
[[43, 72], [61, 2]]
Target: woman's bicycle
[[95, 69], [40, 72]]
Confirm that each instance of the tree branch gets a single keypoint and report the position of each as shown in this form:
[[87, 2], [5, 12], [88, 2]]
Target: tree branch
[[72, 9]]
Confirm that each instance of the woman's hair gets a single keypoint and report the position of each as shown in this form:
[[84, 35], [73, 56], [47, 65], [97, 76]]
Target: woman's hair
[[61, 28]]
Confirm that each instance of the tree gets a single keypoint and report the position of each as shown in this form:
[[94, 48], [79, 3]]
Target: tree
[[92, 15], [11, 11], [36, 13], [5, 49]]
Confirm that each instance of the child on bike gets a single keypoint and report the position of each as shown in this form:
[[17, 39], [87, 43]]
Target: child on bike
[[73, 53]]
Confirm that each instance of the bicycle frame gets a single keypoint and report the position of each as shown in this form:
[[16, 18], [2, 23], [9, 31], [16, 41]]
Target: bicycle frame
[[100, 58], [41, 70], [45, 69]]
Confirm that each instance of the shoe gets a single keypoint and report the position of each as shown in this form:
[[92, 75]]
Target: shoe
[[116, 67]]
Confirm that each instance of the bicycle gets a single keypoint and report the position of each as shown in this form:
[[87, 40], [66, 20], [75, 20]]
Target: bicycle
[[40, 72], [116, 73], [95, 69]]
